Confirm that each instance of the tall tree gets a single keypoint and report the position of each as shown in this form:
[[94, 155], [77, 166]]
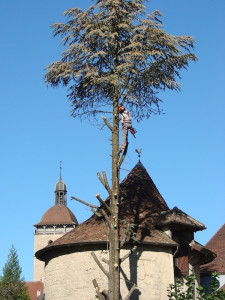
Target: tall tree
[[12, 286], [115, 55]]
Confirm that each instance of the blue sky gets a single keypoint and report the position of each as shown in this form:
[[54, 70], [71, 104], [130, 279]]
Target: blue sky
[[183, 150]]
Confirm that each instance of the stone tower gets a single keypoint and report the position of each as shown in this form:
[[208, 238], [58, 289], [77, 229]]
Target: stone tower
[[56, 221]]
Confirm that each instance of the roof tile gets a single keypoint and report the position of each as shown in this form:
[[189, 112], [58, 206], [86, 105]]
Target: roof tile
[[58, 214], [35, 289], [217, 245]]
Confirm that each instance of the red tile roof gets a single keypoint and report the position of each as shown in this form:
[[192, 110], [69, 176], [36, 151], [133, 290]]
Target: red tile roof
[[58, 214], [141, 204], [177, 218], [35, 289], [206, 255], [217, 245], [222, 287]]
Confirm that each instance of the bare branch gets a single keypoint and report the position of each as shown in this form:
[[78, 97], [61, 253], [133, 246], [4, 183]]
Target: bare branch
[[85, 203], [107, 122], [134, 287], [104, 214], [96, 213], [101, 179], [104, 182], [105, 261], [99, 264], [105, 228], [128, 254], [98, 291], [103, 203]]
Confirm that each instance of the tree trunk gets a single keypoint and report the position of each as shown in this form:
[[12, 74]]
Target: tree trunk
[[114, 248]]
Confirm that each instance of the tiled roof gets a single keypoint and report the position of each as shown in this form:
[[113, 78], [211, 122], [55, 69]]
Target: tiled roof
[[141, 204], [58, 214], [35, 289], [217, 245], [222, 287], [176, 217], [206, 255]]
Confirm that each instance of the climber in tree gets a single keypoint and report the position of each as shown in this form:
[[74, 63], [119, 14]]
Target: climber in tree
[[126, 122]]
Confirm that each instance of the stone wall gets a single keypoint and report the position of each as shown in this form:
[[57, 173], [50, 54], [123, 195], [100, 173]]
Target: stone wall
[[69, 275], [40, 241], [42, 236]]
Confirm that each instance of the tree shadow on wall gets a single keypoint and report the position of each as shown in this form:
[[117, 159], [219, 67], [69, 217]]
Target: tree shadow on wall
[[133, 266]]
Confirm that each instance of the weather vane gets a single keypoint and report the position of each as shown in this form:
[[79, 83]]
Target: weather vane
[[138, 152]]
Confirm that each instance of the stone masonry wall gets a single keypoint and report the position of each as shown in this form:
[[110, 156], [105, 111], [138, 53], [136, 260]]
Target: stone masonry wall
[[42, 236], [40, 241], [69, 276]]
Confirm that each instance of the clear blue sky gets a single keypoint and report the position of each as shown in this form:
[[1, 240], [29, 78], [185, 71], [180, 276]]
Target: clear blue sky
[[182, 150]]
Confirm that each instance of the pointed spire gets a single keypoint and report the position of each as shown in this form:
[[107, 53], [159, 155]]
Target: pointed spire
[[60, 170], [139, 164], [60, 189]]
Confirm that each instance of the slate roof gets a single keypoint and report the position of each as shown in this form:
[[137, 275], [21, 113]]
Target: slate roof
[[217, 245], [141, 204], [58, 215], [177, 218]]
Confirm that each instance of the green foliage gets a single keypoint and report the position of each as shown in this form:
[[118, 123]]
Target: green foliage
[[113, 56], [12, 270], [129, 232], [181, 290], [186, 290], [12, 286], [213, 293]]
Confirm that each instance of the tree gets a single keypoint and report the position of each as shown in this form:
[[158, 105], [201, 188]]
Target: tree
[[114, 57], [186, 290], [12, 286]]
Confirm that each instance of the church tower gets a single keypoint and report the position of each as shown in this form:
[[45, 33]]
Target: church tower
[[56, 221]]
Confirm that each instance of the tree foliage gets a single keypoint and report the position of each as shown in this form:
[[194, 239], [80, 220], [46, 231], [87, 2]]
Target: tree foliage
[[186, 290], [113, 53], [12, 286]]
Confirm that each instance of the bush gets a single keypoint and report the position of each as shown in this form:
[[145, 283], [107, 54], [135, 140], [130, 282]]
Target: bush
[[185, 290]]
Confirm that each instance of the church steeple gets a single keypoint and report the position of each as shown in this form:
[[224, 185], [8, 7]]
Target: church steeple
[[55, 222], [60, 191]]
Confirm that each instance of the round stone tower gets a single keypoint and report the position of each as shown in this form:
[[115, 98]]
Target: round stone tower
[[55, 222]]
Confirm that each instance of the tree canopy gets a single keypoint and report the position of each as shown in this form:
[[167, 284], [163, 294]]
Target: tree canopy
[[12, 286], [12, 270], [116, 53]]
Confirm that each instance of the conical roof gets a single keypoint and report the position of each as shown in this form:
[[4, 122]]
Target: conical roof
[[140, 197]]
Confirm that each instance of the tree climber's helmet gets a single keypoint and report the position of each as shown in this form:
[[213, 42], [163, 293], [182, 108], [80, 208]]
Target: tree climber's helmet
[[121, 109]]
